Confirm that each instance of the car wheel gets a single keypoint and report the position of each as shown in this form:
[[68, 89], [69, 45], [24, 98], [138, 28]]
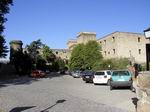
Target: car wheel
[[131, 88], [87, 81], [111, 87], [108, 82]]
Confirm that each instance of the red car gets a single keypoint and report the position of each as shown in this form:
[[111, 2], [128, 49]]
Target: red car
[[38, 74]]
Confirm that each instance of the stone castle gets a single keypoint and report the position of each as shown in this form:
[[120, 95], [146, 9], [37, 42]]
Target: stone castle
[[115, 45]]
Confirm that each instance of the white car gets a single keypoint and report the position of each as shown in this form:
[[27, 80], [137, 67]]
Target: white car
[[102, 77]]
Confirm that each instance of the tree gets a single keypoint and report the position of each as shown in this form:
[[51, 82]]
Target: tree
[[33, 49], [4, 9], [61, 64], [41, 63], [85, 56], [76, 61], [3, 48], [92, 54], [47, 54]]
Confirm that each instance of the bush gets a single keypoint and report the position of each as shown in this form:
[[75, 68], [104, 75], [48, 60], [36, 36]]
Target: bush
[[143, 67], [112, 64]]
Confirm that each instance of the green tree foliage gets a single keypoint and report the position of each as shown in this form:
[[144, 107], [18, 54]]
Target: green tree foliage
[[85, 56], [3, 48], [61, 64], [47, 54], [4, 9], [22, 62], [57, 65], [77, 58], [33, 49], [92, 54], [114, 64], [41, 63]]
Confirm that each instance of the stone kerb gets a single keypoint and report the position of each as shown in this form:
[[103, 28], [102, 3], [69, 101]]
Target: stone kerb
[[143, 92]]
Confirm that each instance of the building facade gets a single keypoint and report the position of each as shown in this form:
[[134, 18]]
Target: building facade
[[116, 45], [82, 37], [124, 44], [61, 53]]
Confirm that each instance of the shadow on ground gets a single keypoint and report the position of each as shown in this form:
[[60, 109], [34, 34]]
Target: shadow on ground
[[121, 88], [134, 101], [20, 109], [24, 80], [57, 102]]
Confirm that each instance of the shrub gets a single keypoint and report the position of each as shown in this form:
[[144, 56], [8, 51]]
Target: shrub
[[112, 64]]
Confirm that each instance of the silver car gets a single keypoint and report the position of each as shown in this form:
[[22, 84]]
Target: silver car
[[76, 74]]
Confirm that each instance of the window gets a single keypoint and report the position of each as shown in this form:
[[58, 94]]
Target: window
[[105, 53], [108, 72], [114, 51], [108, 52], [105, 41], [113, 39], [120, 73], [56, 52], [100, 73], [100, 42], [139, 51], [139, 39]]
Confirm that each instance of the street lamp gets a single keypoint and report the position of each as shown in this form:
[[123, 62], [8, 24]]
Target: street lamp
[[147, 33], [147, 36]]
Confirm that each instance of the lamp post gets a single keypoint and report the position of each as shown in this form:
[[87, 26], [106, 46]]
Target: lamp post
[[147, 36]]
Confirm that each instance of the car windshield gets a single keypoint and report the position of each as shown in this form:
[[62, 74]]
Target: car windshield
[[77, 71], [100, 73], [90, 72], [108, 72], [120, 73]]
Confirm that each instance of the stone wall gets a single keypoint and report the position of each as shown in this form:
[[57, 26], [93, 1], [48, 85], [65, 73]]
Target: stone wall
[[117, 44], [124, 44], [143, 92], [7, 71], [85, 37], [71, 44]]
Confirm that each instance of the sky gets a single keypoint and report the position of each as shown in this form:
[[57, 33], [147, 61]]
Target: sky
[[57, 21]]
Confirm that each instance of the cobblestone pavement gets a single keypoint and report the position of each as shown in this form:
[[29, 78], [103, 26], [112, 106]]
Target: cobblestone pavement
[[62, 94]]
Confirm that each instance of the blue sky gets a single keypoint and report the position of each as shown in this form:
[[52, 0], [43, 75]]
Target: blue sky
[[57, 21]]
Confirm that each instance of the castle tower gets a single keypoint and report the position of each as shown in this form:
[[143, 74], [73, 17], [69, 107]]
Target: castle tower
[[15, 47], [71, 44], [84, 37]]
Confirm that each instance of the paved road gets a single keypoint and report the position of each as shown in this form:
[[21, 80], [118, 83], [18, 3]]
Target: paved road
[[62, 94]]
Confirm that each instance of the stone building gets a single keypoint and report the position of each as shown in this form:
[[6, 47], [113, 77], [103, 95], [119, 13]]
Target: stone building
[[71, 44], [124, 44], [117, 44], [82, 37], [62, 53]]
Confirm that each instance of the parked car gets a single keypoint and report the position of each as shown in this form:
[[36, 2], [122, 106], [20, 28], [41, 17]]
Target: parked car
[[121, 78], [102, 77], [68, 72], [38, 74], [87, 76], [76, 74]]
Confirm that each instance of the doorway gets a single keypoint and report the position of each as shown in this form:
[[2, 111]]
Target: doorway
[[147, 56]]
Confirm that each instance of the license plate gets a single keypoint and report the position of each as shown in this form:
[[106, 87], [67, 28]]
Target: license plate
[[121, 80], [87, 77]]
